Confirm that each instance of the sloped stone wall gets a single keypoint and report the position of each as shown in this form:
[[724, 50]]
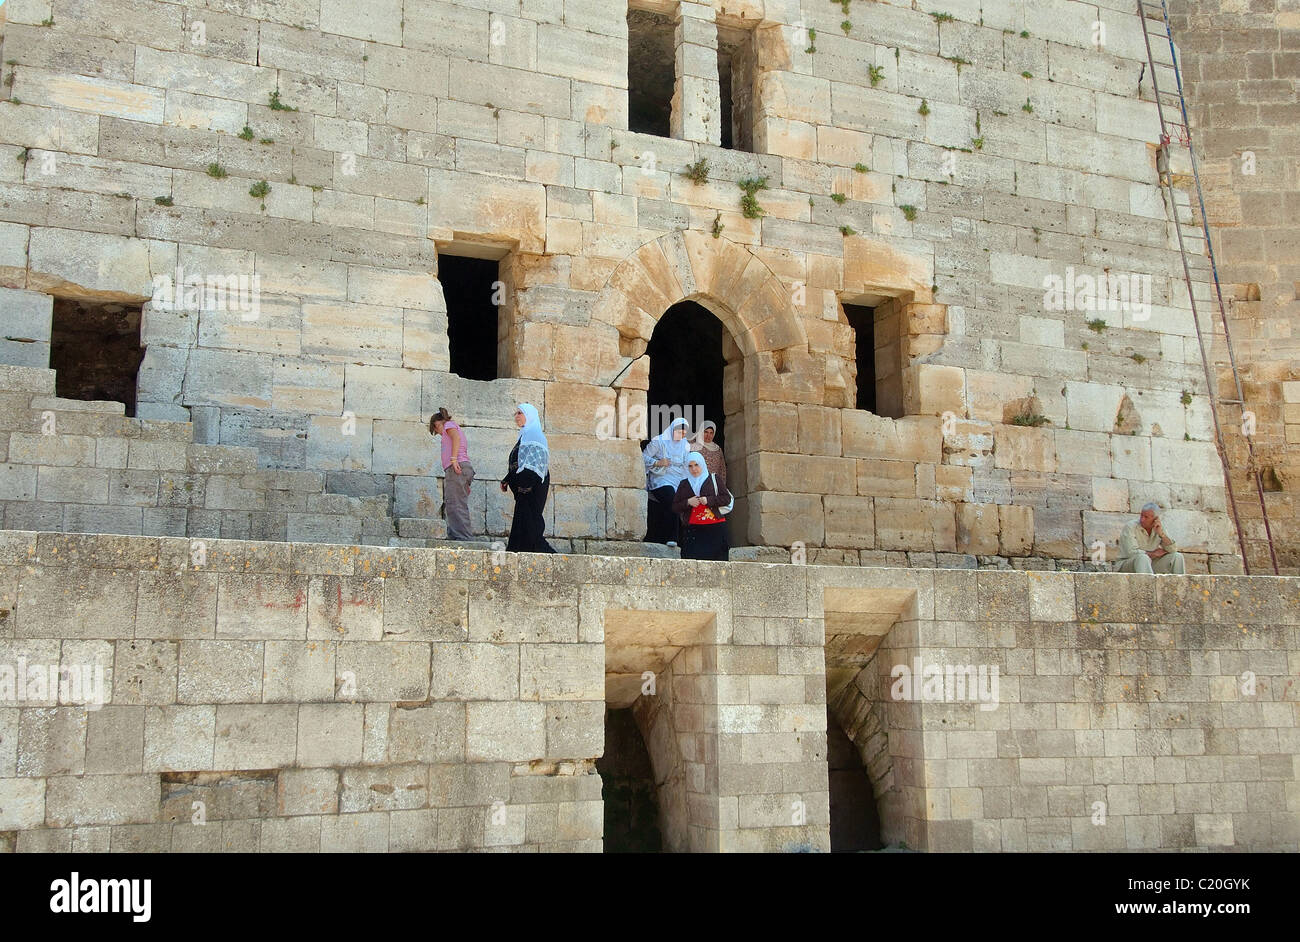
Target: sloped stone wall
[[948, 165]]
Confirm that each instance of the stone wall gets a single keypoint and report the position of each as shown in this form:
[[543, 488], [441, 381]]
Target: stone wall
[[358, 698], [1240, 67], [940, 165], [312, 698]]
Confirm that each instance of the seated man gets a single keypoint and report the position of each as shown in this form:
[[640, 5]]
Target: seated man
[[1144, 547]]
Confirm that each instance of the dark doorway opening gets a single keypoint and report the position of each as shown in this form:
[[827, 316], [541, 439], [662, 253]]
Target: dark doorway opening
[[686, 364], [651, 72], [736, 63], [855, 822], [474, 293], [95, 349], [863, 321], [628, 788]]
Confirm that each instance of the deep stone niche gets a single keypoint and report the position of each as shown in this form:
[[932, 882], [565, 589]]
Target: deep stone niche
[[95, 349], [651, 54]]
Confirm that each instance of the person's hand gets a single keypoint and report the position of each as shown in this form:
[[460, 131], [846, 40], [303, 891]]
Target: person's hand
[[662, 463], [504, 487], [455, 463], [1156, 553]]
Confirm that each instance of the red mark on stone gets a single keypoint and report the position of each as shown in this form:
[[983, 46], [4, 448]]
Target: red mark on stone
[[299, 600]]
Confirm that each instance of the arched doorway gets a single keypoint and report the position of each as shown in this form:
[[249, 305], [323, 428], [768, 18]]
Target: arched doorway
[[763, 338], [686, 364], [697, 373]]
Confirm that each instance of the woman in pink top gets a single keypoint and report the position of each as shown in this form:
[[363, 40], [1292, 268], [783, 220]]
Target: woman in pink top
[[458, 474]]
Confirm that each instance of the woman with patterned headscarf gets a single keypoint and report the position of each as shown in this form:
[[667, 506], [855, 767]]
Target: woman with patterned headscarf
[[529, 479], [703, 443]]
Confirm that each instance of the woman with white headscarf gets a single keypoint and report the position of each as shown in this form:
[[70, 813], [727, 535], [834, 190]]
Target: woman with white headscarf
[[665, 466], [529, 478], [698, 502], [712, 452]]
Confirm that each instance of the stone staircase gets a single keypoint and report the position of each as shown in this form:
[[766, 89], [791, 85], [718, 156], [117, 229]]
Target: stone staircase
[[74, 466]]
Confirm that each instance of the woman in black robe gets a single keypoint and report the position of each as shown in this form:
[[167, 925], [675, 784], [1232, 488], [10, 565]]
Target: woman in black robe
[[698, 502], [529, 479]]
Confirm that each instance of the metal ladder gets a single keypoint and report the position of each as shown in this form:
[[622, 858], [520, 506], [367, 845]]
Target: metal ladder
[[1181, 137]]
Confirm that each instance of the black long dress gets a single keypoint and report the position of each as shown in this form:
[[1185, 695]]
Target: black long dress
[[528, 527], [707, 540]]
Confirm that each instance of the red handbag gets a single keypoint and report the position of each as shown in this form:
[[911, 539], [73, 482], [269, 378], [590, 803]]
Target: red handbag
[[703, 514]]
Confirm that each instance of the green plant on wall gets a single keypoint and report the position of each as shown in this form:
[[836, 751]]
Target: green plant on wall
[[875, 73], [749, 207], [924, 109], [1031, 419], [698, 172], [277, 105], [908, 211]]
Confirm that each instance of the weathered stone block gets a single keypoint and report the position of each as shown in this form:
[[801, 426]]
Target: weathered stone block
[[903, 524], [330, 734], [914, 438], [850, 521], [511, 732], [255, 736], [179, 738], [475, 672], [561, 672], [433, 732]]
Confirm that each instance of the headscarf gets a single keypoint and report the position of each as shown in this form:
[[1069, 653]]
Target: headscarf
[[674, 451], [696, 480], [698, 441], [534, 452]]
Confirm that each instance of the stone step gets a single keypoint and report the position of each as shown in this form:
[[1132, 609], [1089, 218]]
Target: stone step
[[26, 379], [60, 404], [421, 528], [626, 548]]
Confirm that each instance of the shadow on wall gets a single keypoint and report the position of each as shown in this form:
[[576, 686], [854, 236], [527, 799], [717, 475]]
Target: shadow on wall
[[855, 822], [628, 788]]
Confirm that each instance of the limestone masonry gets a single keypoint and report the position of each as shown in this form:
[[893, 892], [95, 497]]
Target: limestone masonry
[[957, 354]]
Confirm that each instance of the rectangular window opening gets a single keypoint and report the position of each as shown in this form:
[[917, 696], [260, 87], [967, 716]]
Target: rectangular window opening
[[737, 59], [474, 291], [651, 72], [95, 349], [863, 321]]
